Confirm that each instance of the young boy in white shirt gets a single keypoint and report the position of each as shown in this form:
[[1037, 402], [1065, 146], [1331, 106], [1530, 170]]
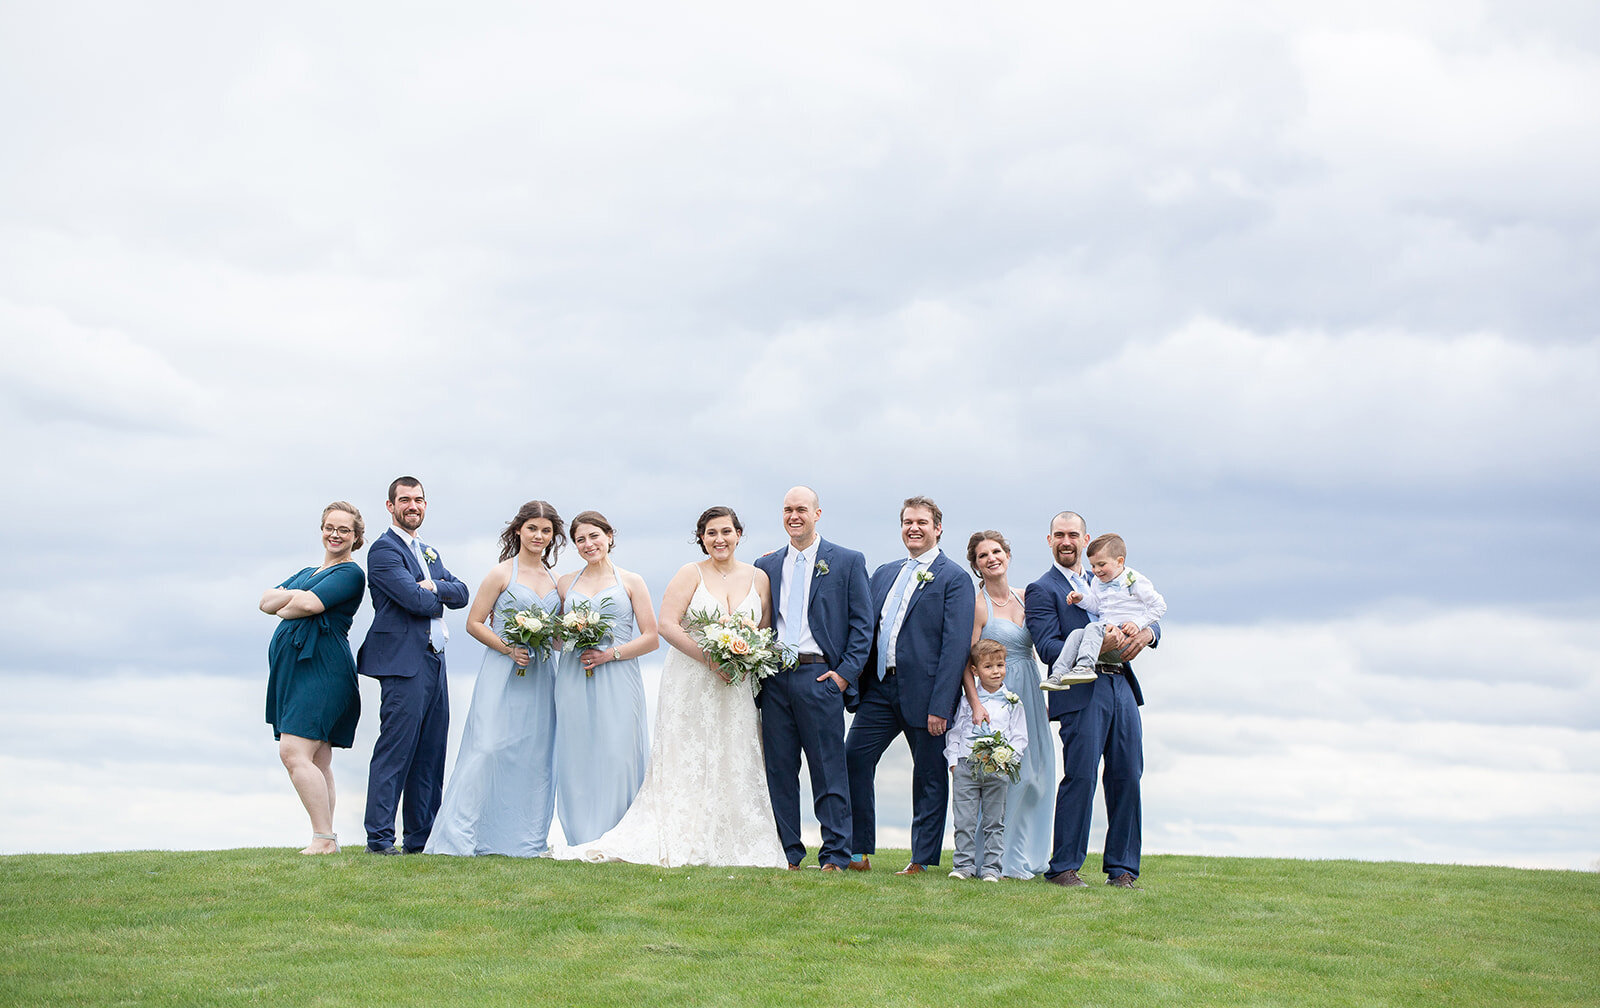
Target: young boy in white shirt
[[1119, 596], [978, 798]]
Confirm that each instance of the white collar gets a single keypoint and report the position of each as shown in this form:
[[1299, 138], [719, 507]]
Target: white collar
[[1068, 572], [810, 552], [405, 537], [926, 559]]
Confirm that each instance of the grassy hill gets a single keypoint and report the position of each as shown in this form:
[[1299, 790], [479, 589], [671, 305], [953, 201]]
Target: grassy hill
[[267, 927]]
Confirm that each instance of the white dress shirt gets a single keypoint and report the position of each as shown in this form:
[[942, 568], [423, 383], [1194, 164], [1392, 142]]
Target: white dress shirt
[[1004, 716], [1127, 598], [797, 595]]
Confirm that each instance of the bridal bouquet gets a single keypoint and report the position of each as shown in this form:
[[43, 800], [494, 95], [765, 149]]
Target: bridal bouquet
[[584, 626], [743, 651], [532, 628], [992, 754]]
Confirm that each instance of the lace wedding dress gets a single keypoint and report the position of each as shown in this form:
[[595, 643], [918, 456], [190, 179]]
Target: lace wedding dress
[[704, 799]]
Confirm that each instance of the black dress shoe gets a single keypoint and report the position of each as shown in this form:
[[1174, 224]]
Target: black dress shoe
[[1068, 878], [382, 850]]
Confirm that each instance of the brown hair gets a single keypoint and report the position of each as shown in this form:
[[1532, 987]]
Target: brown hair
[[350, 509], [511, 537], [983, 649], [719, 511], [400, 481], [978, 537], [930, 506], [596, 519], [1110, 543]]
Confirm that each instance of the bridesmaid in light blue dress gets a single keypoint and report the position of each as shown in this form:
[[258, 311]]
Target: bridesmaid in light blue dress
[[1030, 805], [602, 742], [501, 795]]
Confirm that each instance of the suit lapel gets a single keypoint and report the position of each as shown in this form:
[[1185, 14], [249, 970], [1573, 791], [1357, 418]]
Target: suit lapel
[[824, 550], [916, 587], [405, 551]]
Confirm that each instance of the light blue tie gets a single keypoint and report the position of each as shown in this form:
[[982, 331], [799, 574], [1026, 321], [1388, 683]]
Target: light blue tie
[[898, 593], [794, 607]]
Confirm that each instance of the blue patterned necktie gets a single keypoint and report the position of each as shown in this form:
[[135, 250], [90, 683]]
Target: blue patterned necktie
[[794, 610]]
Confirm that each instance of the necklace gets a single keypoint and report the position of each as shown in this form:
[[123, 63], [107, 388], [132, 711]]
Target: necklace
[[998, 605]]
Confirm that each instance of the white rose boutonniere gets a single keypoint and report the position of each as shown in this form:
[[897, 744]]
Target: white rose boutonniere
[[1012, 699], [821, 568], [429, 554], [923, 577], [1128, 579]]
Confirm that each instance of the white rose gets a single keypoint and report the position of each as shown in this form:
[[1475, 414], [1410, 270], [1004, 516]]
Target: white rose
[[1002, 754]]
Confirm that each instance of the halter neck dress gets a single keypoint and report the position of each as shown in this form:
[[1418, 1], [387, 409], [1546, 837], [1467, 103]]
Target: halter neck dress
[[602, 738], [501, 795]]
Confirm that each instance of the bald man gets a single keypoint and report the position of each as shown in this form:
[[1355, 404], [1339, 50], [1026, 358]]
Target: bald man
[[821, 607]]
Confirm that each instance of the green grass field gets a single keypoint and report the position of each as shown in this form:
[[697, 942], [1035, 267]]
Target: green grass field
[[250, 927]]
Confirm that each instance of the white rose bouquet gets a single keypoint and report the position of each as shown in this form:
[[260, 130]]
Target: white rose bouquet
[[585, 626], [532, 628], [741, 649], [992, 754]]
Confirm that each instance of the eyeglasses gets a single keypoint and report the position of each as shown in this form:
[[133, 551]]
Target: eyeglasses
[[341, 530]]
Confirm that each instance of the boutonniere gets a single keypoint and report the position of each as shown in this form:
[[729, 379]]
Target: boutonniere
[[1129, 578], [820, 569], [923, 577], [429, 554], [1012, 699]]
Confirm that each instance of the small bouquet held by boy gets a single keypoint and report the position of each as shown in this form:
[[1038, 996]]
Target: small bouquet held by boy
[[993, 755], [532, 628], [741, 650], [586, 626]]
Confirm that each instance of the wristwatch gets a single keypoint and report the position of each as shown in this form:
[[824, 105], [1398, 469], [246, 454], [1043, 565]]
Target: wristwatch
[[616, 654]]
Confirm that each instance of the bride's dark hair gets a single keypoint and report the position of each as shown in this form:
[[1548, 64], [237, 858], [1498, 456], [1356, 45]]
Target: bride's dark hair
[[720, 511], [511, 537]]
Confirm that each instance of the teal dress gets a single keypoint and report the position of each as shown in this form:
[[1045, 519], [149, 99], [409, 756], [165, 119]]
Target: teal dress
[[502, 794], [602, 740], [1030, 804], [311, 682]]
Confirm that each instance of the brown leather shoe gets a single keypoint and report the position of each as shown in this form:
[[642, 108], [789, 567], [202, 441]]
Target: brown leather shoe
[[865, 864], [1068, 878], [794, 867], [911, 869], [831, 867], [1124, 880]]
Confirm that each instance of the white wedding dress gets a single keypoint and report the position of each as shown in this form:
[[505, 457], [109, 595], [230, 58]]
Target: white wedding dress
[[704, 799]]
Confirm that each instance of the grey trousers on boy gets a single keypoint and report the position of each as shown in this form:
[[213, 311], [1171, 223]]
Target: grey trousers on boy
[[980, 818]]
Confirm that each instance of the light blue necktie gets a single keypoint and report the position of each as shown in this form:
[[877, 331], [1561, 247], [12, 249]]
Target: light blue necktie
[[898, 592], [794, 610]]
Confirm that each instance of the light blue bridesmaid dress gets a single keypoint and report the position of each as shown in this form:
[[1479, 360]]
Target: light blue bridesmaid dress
[[602, 741], [502, 796], [1030, 805]]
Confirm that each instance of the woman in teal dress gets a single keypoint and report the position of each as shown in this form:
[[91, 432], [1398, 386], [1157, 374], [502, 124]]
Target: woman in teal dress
[[312, 700], [1030, 805], [602, 741], [502, 793]]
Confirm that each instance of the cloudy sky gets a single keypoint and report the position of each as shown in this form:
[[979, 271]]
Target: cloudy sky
[[1301, 301]]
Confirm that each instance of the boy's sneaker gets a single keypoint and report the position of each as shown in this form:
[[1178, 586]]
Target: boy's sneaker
[[958, 873], [1067, 679], [991, 878]]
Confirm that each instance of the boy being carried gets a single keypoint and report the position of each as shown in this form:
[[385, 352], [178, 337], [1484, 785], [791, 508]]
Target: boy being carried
[[1118, 597]]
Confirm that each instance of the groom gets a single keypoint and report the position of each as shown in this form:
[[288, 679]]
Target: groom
[[821, 607], [924, 609], [404, 651]]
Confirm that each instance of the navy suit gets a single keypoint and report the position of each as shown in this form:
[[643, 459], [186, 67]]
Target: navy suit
[[414, 717], [930, 654], [1098, 719], [799, 714]]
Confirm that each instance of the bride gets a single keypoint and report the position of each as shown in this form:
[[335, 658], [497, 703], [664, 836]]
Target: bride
[[704, 798]]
